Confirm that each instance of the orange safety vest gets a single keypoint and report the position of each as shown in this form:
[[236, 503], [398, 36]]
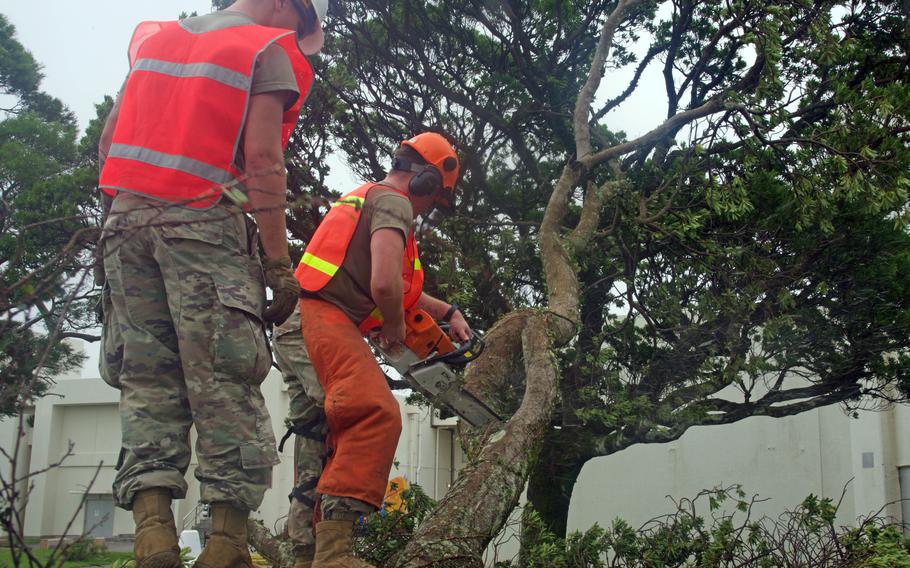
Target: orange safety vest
[[184, 107], [329, 246]]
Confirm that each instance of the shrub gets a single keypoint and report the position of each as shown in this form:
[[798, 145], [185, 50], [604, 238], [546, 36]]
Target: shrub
[[730, 536], [185, 560], [386, 533]]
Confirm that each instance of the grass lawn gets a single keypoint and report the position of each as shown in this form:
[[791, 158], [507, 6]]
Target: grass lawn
[[105, 559]]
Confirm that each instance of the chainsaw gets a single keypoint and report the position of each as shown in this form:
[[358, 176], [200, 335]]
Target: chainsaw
[[429, 362]]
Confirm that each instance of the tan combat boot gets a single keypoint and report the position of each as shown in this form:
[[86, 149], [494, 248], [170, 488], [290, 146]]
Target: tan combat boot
[[303, 556], [333, 546], [156, 534], [226, 547]]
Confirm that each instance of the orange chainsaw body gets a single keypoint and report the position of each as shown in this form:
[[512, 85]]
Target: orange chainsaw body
[[424, 337]]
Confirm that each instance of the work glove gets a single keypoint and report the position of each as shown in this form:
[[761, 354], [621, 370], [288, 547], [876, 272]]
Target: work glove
[[285, 289], [98, 274]]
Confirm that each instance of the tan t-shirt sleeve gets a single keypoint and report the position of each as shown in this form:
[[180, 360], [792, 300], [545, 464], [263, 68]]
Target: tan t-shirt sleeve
[[391, 211], [274, 72]]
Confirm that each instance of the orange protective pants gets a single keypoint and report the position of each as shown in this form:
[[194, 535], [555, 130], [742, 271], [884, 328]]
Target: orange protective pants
[[363, 417]]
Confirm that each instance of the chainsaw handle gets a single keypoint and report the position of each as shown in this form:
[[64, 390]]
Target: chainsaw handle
[[464, 354]]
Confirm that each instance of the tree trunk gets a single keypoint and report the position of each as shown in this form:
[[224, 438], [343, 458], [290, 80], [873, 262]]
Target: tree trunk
[[478, 504]]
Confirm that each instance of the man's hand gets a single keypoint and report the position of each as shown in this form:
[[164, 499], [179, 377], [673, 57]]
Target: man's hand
[[459, 330], [285, 289], [391, 337], [98, 266]]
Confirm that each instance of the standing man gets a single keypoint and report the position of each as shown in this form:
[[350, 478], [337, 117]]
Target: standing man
[[358, 275], [210, 102], [306, 419]]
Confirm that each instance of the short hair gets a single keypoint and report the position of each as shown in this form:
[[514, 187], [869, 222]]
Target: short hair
[[409, 154]]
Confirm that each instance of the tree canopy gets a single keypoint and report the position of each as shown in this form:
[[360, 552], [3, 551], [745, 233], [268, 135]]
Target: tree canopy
[[46, 217]]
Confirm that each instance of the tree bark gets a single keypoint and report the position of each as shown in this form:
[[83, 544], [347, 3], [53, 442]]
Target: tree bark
[[491, 375]]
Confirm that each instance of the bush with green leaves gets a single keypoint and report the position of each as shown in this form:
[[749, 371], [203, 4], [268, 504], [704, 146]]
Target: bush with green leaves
[[385, 533], [716, 529]]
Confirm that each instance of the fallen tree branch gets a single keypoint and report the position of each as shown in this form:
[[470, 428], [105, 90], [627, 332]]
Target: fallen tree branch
[[278, 552]]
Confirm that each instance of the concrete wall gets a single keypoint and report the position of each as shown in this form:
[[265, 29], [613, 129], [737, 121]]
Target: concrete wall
[[83, 412], [819, 452]]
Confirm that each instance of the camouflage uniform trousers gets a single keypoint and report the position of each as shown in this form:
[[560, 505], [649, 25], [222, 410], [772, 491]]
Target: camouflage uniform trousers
[[184, 343], [306, 419]]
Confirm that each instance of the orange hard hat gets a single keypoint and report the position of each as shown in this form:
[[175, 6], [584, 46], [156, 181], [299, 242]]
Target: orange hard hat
[[437, 152]]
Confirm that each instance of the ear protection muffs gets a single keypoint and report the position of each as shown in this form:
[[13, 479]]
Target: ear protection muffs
[[427, 179]]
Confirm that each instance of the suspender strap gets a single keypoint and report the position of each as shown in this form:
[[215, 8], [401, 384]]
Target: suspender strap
[[307, 430], [300, 492]]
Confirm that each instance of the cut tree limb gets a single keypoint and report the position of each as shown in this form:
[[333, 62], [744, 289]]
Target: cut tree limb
[[481, 500]]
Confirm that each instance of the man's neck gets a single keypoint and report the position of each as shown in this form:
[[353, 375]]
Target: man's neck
[[397, 180], [255, 10]]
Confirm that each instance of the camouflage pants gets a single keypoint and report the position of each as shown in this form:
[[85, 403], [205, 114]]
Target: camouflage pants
[[184, 343], [306, 419]]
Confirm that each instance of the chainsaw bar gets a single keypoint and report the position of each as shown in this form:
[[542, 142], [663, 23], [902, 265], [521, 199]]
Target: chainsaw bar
[[426, 362], [444, 389]]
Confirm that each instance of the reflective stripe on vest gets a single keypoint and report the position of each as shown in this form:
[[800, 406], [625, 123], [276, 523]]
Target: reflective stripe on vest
[[214, 72], [323, 266], [328, 247], [350, 201], [183, 109], [182, 163]]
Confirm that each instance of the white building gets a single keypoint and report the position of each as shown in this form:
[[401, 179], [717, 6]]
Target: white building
[[785, 460], [821, 452], [84, 412]]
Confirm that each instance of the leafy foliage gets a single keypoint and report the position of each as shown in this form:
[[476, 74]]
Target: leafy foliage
[[83, 550], [385, 533], [47, 220], [724, 534], [186, 560]]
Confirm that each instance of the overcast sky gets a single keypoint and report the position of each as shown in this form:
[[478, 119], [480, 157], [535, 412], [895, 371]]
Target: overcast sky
[[82, 45], [82, 48]]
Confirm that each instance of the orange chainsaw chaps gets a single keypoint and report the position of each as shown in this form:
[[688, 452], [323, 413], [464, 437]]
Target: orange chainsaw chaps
[[424, 337], [363, 416]]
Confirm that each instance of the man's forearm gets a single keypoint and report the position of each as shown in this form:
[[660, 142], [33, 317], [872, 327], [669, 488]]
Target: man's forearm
[[107, 133], [388, 300], [268, 201], [433, 306], [267, 179]]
